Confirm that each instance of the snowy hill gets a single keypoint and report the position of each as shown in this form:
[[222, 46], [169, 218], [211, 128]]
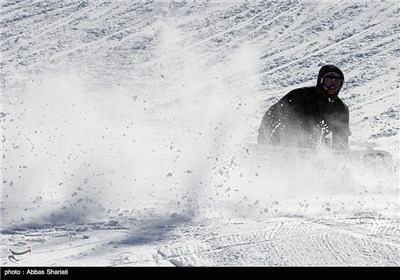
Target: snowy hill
[[124, 125]]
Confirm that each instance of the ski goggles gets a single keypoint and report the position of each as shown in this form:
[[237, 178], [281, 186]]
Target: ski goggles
[[332, 82]]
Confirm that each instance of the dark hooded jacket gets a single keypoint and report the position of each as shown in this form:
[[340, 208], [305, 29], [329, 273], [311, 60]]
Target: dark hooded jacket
[[307, 117]]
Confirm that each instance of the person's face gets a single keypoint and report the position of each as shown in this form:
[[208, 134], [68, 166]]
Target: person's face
[[329, 79]]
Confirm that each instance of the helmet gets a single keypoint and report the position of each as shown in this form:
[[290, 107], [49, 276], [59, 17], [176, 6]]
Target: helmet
[[331, 77]]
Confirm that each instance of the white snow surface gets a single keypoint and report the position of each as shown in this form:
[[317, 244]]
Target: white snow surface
[[126, 127]]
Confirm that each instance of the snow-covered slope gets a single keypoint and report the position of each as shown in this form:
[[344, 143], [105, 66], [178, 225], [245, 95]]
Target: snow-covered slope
[[125, 126]]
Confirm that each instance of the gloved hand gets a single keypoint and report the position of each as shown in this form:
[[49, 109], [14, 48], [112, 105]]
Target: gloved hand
[[340, 142]]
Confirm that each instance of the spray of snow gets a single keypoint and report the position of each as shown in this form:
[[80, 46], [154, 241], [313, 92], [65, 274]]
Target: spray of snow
[[176, 146]]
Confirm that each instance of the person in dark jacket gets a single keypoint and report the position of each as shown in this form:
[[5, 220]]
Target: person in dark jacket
[[310, 116]]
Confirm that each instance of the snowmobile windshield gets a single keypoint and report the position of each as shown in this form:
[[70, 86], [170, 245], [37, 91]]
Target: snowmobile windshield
[[332, 82]]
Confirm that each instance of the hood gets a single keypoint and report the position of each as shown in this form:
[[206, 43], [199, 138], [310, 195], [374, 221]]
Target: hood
[[320, 89]]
